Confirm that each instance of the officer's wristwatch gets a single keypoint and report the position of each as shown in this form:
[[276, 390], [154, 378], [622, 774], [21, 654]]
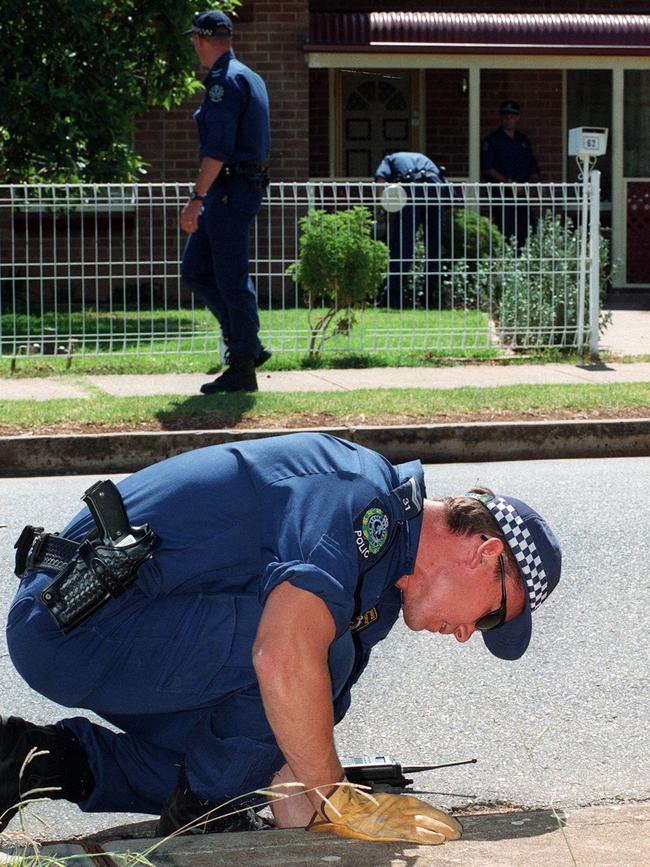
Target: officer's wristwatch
[[194, 196]]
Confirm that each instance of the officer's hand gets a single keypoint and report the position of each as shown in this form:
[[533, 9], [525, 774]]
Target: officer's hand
[[385, 818], [190, 216]]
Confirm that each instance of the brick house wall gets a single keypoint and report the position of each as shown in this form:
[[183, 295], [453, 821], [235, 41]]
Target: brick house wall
[[447, 122], [319, 149], [539, 93], [268, 38]]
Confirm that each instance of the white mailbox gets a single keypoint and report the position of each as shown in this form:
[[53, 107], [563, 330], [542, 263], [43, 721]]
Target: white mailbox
[[588, 141]]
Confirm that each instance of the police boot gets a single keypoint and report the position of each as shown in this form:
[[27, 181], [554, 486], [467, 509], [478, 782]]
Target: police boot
[[238, 376], [58, 770], [185, 808], [261, 358]]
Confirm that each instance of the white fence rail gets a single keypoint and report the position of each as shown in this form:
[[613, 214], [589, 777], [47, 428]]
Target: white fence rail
[[90, 269]]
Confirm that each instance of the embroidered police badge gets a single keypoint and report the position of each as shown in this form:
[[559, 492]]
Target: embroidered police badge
[[371, 529], [216, 93]]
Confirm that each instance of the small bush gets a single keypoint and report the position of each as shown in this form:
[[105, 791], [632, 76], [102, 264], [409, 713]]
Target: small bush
[[539, 295], [475, 247], [340, 269]]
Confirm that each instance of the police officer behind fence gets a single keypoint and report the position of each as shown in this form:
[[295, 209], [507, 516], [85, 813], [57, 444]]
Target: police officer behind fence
[[226, 652], [423, 208], [507, 158], [234, 137]]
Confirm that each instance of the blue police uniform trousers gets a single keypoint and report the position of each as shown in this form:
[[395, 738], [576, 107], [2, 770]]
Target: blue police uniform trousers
[[215, 261], [144, 665], [422, 209], [169, 662]]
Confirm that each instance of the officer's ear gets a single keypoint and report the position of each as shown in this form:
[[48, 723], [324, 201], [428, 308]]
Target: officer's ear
[[488, 548]]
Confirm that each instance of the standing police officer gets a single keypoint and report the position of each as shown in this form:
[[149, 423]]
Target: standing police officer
[[280, 563], [234, 137], [425, 192], [507, 158]]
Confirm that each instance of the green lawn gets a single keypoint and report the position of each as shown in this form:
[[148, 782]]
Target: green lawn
[[182, 329], [172, 340], [322, 408]]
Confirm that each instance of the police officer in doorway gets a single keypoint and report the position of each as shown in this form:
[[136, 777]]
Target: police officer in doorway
[[426, 191], [220, 620], [234, 138], [507, 158]]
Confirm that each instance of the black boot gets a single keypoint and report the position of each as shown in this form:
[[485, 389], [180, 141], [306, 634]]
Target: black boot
[[238, 376], [61, 772], [205, 817], [262, 356]]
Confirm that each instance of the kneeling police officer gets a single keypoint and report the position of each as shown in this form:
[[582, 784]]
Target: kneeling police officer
[[217, 608]]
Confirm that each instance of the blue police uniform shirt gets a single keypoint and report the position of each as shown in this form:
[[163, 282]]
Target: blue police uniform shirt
[[511, 157], [233, 120], [395, 166], [235, 522]]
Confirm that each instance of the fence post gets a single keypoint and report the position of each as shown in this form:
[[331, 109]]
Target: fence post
[[582, 263], [594, 264]]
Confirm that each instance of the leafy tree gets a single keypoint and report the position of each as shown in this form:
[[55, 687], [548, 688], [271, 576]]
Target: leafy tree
[[340, 269], [76, 74]]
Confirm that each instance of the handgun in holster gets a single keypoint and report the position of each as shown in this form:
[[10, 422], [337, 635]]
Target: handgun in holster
[[91, 573]]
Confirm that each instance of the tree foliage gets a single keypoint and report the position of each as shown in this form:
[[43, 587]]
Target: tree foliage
[[76, 74]]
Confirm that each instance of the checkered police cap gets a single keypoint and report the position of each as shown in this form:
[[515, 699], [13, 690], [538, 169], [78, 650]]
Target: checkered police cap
[[539, 559]]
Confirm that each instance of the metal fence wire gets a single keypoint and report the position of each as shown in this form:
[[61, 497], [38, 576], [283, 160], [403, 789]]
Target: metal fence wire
[[89, 269]]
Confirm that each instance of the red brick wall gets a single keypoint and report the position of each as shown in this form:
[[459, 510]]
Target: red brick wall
[[270, 40], [447, 124], [539, 93], [319, 150]]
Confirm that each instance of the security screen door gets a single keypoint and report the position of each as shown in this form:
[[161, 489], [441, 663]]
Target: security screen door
[[377, 118]]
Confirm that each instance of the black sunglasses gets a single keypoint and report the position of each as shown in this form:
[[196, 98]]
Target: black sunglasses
[[496, 618]]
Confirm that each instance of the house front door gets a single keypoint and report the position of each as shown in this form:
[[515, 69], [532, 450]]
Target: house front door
[[377, 117]]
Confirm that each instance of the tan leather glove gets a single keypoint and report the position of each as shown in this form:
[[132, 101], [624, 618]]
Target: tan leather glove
[[350, 812]]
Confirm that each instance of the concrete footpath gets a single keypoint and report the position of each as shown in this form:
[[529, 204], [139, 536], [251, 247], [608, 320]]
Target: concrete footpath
[[30, 455], [603, 836], [459, 376]]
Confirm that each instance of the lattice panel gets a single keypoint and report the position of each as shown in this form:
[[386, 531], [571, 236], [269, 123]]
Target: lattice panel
[[638, 232]]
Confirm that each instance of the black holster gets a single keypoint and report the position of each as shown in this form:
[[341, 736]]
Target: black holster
[[95, 571]]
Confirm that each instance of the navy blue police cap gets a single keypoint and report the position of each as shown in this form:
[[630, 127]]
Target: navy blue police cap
[[509, 107], [539, 559], [211, 23]]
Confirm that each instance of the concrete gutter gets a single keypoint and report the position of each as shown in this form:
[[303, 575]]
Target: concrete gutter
[[436, 443], [616, 834]]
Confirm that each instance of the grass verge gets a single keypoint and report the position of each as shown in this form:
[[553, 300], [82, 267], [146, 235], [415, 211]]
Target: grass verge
[[103, 412]]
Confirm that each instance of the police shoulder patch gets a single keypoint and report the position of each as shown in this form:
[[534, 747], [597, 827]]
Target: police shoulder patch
[[216, 93], [371, 530]]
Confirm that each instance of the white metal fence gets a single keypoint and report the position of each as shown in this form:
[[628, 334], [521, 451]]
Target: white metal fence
[[89, 269]]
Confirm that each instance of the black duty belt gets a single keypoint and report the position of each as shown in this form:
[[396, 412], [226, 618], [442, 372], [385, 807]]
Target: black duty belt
[[412, 177], [92, 572], [255, 174]]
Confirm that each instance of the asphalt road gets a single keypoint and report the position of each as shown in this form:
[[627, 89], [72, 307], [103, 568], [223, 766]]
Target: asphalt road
[[567, 725]]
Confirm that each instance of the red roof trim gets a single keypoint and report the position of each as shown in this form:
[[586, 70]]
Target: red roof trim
[[475, 32]]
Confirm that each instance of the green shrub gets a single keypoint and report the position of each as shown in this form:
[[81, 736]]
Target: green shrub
[[340, 269], [474, 245], [539, 293]]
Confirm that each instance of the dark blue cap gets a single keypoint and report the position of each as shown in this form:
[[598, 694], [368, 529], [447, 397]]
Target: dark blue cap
[[211, 23], [509, 107], [539, 559]]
